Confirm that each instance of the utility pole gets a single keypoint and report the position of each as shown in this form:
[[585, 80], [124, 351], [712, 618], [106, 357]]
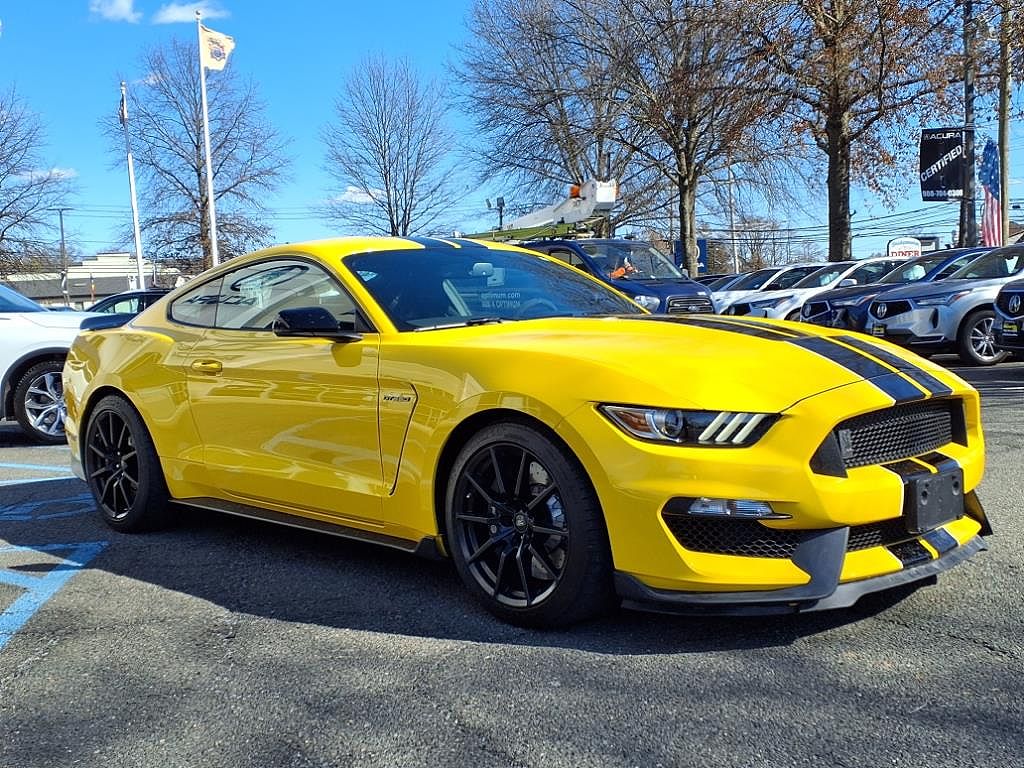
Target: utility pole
[[1005, 77], [732, 222], [968, 217], [63, 258]]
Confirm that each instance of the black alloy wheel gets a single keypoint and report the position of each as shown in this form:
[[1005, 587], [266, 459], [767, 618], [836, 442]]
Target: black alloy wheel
[[122, 468], [525, 529]]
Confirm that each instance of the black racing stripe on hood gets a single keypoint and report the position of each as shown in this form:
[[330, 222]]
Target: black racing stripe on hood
[[888, 381], [465, 243], [920, 377], [720, 324], [747, 322]]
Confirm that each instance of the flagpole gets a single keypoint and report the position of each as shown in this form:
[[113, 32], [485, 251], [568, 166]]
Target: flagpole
[[214, 254], [131, 187]]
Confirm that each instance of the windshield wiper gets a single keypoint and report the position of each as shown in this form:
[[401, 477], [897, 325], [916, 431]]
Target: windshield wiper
[[464, 323]]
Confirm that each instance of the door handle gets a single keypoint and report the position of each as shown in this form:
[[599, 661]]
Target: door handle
[[207, 366]]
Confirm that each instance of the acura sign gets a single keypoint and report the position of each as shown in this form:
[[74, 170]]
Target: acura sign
[[942, 164]]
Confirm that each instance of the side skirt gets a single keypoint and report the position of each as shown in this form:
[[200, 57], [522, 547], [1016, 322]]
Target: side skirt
[[425, 547]]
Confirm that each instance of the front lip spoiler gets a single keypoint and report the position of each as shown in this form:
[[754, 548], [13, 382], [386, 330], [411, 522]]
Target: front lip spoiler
[[821, 557]]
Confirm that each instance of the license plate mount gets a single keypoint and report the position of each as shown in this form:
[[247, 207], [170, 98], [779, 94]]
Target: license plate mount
[[933, 499]]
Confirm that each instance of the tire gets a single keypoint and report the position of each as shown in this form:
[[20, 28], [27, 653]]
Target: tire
[[525, 529], [122, 468], [39, 402], [794, 316], [975, 342]]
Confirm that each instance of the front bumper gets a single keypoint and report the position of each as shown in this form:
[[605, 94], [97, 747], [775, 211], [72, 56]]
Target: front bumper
[[851, 317], [931, 328], [821, 557], [1009, 332]]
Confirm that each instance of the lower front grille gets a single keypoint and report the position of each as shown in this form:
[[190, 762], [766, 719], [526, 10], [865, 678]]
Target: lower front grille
[[900, 432], [688, 304], [749, 538]]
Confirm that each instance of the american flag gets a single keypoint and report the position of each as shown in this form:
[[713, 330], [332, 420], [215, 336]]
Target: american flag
[[991, 222]]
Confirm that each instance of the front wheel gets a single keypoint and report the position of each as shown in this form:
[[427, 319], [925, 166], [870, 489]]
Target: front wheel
[[123, 469], [525, 528], [976, 341], [39, 402]]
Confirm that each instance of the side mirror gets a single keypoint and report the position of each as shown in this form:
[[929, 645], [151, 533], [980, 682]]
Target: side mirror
[[847, 282], [312, 322]]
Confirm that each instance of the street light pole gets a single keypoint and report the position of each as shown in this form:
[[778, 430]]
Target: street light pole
[[63, 259]]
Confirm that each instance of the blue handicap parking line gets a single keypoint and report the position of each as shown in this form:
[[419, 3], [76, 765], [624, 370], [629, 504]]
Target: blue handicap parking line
[[47, 509], [40, 588]]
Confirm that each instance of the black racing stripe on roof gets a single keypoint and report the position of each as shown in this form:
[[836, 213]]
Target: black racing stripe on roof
[[894, 385], [919, 376], [430, 242], [466, 243]]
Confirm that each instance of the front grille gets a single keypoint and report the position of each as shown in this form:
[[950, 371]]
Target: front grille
[[815, 308], [892, 308], [748, 538], [691, 304], [1003, 302], [900, 432]]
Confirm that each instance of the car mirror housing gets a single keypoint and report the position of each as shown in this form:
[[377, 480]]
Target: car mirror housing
[[847, 282], [312, 322]]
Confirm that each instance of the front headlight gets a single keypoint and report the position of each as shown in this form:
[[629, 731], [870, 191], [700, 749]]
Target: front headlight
[[679, 427], [770, 303], [940, 299], [650, 303]]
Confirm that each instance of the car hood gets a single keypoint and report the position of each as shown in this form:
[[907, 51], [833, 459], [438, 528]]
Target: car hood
[[57, 319], [661, 287], [692, 361], [853, 291], [916, 290]]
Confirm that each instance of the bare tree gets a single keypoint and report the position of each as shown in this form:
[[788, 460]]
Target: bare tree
[[389, 150], [547, 106], [860, 74], [29, 190], [165, 124], [701, 105]]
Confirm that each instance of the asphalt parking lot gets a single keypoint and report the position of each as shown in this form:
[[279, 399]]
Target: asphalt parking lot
[[225, 642]]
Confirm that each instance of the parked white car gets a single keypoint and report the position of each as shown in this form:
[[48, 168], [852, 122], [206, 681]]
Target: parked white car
[[785, 304], [763, 281], [33, 344]]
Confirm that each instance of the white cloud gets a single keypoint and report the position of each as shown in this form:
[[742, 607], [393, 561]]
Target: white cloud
[[355, 195], [40, 173], [115, 10], [1, 28], [176, 13]]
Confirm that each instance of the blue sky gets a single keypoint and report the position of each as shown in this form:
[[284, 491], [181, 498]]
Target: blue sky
[[67, 57]]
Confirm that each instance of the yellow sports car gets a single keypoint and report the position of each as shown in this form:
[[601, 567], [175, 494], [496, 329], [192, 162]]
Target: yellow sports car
[[563, 447]]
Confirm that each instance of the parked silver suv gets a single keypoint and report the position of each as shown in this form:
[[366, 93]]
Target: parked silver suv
[[956, 315]]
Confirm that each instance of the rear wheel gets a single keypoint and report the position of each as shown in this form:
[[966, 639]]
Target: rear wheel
[[39, 402], [976, 341], [122, 468], [525, 528]]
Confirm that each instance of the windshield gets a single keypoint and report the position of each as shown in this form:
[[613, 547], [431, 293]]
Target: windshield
[[434, 288], [824, 275], [754, 280], [630, 260], [913, 270], [723, 283], [999, 263], [790, 277], [872, 272], [12, 301]]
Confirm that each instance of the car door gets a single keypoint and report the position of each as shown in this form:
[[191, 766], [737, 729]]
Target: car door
[[287, 422]]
